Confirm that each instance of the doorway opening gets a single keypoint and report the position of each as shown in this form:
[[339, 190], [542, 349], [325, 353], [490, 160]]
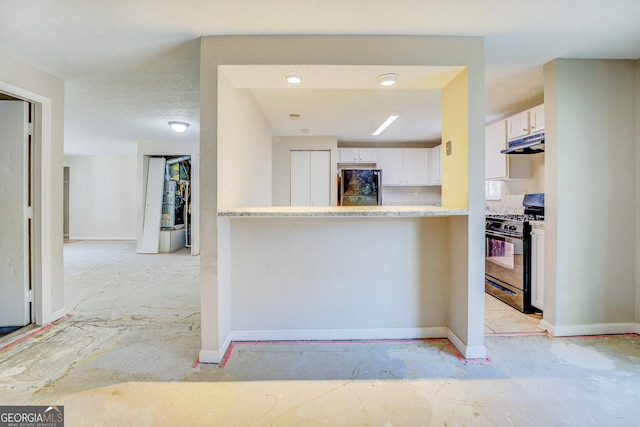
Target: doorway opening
[[17, 212], [167, 215]]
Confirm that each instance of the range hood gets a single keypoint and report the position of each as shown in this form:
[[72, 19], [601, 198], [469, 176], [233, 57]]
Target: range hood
[[532, 144]]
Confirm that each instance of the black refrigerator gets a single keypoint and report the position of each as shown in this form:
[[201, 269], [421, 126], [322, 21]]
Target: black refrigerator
[[361, 187]]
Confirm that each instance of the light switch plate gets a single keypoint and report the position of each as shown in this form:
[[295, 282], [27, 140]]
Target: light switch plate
[[448, 148]]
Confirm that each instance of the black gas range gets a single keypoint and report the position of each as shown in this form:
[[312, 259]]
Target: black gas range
[[508, 254]]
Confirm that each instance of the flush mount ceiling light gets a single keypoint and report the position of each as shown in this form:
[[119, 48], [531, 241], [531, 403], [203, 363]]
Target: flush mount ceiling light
[[386, 123], [388, 79], [294, 79], [179, 126]]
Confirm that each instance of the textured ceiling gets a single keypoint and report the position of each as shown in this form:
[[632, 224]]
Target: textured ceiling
[[131, 66]]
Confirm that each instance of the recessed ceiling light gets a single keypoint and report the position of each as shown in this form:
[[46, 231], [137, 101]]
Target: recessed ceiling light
[[388, 79], [179, 126], [294, 79]]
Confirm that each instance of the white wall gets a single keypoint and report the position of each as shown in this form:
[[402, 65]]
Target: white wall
[[365, 275], [102, 197], [590, 176], [244, 149], [47, 92], [281, 168]]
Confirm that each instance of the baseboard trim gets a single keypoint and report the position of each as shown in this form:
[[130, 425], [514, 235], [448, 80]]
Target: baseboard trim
[[215, 356], [338, 334], [467, 352], [590, 329], [126, 238], [57, 315]]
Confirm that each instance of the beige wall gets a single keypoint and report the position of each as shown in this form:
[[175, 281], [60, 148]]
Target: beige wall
[[590, 179], [47, 92], [455, 129]]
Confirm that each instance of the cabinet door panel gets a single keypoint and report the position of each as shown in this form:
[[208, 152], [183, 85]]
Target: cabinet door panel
[[416, 166], [390, 161], [300, 178], [518, 125], [320, 179], [368, 155], [536, 119], [348, 155], [537, 268], [435, 166]]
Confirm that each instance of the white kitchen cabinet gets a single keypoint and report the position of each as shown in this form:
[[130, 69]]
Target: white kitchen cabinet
[[518, 125], [358, 155], [310, 178], [500, 166], [435, 165], [536, 119], [416, 166], [526, 123], [390, 161], [537, 267], [404, 166]]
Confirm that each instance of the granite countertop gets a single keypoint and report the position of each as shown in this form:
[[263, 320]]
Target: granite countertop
[[343, 211]]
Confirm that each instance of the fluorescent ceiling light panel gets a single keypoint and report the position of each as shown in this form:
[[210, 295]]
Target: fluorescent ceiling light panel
[[386, 123]]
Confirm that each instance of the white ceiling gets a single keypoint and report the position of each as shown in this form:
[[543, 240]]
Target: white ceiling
[[131, 66]]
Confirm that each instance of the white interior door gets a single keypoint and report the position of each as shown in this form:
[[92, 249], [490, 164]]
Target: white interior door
[[300, 178], [153, 206], [310, 178], [14, 211], [320, 179]]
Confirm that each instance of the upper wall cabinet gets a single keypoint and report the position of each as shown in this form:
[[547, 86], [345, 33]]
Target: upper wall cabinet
[[525, 123], [500, 166], [358, 155], [404, 166], [435, 165]]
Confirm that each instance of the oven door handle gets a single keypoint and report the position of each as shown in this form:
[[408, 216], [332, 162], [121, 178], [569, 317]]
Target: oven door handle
[[504, 236]]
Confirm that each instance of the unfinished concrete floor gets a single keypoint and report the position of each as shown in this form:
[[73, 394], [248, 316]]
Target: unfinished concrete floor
[[126, 358]]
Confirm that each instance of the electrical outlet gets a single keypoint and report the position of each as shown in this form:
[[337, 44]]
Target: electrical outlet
[[415, 195], [448, 148]]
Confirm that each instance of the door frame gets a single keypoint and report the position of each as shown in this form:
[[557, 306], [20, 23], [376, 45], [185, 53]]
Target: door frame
[[42, 194]]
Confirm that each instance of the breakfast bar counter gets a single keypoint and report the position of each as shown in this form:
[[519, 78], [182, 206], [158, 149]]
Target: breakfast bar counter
[[343, 211]]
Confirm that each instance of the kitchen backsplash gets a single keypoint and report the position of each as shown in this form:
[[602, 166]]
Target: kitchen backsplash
[[411, 196], [508, 205]]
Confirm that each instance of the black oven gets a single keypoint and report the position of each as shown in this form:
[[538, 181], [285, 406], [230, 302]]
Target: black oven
[[508, 254], [506, 267]]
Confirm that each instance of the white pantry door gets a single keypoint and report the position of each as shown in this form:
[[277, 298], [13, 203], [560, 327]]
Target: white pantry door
[[310, 178], [14, 214]]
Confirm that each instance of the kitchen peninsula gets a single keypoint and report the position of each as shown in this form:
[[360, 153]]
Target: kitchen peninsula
[[342, 211], [279, 273], [366, 272]]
